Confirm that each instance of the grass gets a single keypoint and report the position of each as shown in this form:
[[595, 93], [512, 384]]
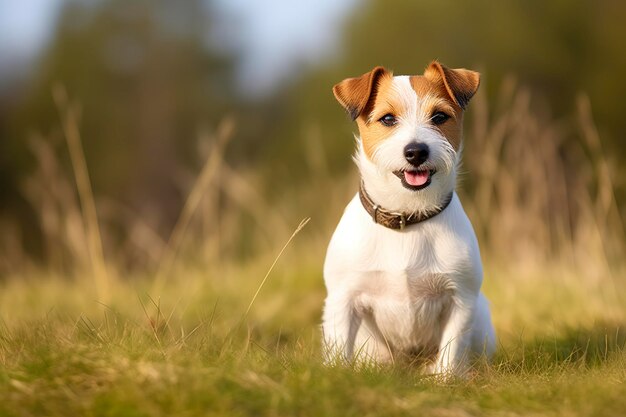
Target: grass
[[210, 321], [191, 350]]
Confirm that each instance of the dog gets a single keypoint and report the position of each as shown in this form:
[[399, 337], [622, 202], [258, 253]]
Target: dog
[[403, 271]]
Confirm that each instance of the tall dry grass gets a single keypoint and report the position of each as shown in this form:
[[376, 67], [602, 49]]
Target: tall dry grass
[[540, 193], [542, 190]]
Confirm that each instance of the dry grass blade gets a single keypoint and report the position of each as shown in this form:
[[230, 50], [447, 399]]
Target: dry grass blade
[[606, 204], [248, 199], [209, 170], [267, 274], [69, 121]]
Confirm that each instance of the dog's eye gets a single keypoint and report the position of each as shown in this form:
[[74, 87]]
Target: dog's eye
[[439, 118], [388, 120]]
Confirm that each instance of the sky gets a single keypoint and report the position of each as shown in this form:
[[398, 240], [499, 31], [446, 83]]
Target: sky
[[273, 36], [278, 35], [25, 27]]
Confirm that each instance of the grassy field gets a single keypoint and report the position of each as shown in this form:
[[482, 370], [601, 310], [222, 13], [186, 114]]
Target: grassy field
[[204, 324], [192, 350]]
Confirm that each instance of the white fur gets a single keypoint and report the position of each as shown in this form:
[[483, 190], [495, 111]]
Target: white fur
[[391, 292]]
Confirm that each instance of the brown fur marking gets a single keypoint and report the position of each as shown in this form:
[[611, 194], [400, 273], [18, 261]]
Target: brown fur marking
[[371, 96]]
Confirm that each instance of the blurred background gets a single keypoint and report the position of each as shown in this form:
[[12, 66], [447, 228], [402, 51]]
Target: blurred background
[[209, 128]]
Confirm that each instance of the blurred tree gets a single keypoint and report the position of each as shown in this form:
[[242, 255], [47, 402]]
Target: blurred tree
[[146, 78]]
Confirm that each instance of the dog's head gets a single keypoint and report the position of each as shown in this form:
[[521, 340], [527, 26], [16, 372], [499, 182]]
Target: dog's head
[[410, 132]]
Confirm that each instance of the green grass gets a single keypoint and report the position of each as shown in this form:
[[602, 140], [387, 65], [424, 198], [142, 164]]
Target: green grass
[[195, 338], [190, 351]]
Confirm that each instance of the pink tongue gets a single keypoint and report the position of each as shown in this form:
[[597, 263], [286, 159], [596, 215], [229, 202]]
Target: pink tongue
[[416, 178]]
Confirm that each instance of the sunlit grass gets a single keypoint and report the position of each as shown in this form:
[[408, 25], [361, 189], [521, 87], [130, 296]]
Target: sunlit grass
[[190, 350], [222, 318]]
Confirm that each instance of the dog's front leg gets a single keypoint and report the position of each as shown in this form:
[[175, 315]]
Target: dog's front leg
[[453, 355], [340, 326]]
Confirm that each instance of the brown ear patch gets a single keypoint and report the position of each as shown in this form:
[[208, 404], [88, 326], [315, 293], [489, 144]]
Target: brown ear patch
[[461, 84], [354, 94]]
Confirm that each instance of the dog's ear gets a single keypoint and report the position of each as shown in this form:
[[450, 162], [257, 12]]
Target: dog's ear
[[354, 94], [461, 84]]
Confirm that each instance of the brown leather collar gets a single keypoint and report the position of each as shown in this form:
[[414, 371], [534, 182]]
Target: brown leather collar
[[394, 220]]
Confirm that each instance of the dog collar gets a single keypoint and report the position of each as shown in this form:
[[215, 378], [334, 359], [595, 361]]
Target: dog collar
[[395, 220]]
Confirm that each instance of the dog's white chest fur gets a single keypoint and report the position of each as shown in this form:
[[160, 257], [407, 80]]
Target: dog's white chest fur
[[402, 283]]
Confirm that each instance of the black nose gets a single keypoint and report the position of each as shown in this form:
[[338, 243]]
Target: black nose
[[416, 153]]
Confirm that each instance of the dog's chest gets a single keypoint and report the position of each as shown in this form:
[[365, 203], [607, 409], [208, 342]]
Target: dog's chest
[[404, 283], [444, 243], [409, 308], [408, 288]]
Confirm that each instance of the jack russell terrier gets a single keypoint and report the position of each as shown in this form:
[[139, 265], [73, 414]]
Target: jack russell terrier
[[403, 269]]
